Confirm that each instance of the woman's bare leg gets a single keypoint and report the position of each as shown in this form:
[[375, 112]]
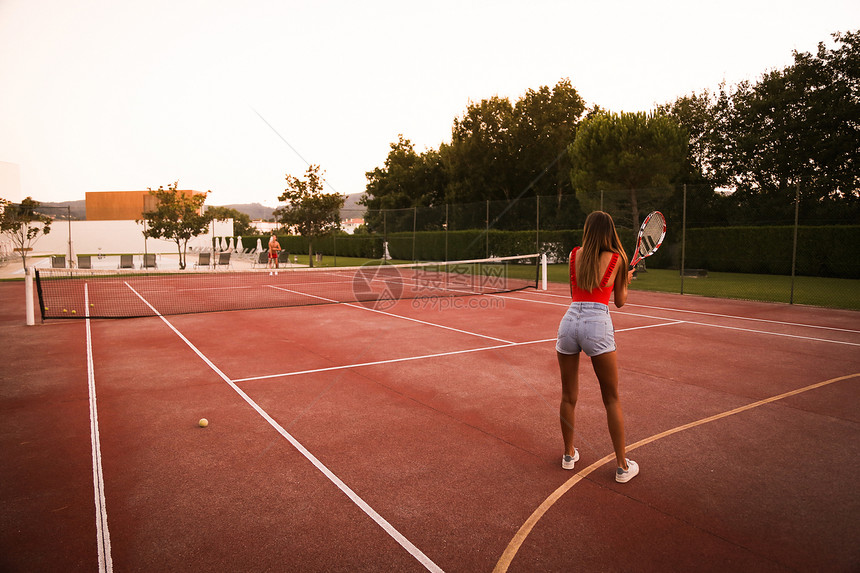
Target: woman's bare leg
[[568, 365], [606, 369]]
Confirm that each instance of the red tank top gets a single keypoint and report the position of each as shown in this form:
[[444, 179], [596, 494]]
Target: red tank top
[[602, 293]]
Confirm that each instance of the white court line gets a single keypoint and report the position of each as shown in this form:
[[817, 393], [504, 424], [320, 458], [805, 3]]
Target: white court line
[[748, 318], [394, 315], [356, 499], [730, 316], [425, 356], [102, 533], [809, 338], [389, 361]]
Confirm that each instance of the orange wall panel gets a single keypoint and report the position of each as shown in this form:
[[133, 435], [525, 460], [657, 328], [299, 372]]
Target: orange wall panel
[[121, 205]]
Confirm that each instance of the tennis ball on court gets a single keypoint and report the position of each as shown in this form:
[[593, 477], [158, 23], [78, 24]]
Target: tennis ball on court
[[92, 304], [203, 422], [64, 310], [74, 312]]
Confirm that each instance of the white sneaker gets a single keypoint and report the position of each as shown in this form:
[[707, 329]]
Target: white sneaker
[[624, 476], [567, 462]]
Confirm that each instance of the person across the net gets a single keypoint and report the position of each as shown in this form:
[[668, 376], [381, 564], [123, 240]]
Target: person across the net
[[598, 269], [274, 250]]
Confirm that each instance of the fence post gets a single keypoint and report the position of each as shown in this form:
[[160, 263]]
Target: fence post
[[794, 245], [72, 262], [446, 232], [683, 236], [537, 225], [28, 296]]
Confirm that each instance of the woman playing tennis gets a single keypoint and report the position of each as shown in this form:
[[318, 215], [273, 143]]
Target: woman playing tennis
[[598, 269]]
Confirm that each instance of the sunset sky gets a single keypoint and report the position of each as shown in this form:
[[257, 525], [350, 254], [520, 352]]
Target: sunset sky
[[102, 95]]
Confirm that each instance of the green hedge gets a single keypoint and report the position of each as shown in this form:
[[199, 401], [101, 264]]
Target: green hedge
[[821, 251]]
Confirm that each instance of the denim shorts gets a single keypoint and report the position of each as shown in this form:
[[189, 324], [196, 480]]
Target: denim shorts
[[586, 327]]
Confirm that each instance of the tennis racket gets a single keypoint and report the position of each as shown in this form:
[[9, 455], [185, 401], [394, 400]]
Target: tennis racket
[[651, 235]]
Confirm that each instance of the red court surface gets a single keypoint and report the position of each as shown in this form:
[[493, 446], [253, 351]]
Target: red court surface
[[346, 439]]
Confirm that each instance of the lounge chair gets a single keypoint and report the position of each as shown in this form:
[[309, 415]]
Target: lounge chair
[[203, 260], [223, 260], [85, 262], [149, 261], [126, 262], [58, 262], [262, 259], [283, 258]]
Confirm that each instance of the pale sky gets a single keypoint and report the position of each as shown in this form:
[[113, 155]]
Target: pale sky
[[114, 95]]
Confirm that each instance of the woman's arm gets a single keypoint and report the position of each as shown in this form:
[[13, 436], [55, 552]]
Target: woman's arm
[[623, 276]]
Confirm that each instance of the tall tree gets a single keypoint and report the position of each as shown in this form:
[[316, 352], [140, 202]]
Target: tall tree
[[481, 157], [627, 152], [794, 127], [308, 210], [406, 180], [545, 122], [798, 126], [177, 217], [23, 224], [701, 115]]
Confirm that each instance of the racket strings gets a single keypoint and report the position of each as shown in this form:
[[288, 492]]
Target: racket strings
[[652, 234]]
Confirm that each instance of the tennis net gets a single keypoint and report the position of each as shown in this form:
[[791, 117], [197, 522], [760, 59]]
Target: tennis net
[[101, 293]]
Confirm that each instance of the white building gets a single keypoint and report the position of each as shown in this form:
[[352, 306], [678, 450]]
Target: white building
[[350, 225]]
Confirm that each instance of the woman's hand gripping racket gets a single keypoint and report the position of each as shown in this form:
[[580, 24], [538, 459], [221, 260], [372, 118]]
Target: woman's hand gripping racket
[[651, 236]]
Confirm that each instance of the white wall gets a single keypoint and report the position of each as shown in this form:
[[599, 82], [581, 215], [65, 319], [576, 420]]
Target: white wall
[[112, 237]]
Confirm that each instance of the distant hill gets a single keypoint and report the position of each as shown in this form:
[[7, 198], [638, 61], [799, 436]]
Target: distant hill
[[351, 209], [61, 209], [254, 210]]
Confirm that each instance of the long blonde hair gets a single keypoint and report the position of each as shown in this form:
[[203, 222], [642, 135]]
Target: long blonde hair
[[598, 235]]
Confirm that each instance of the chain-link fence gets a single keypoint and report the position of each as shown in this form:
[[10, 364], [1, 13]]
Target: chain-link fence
[[790, 250]]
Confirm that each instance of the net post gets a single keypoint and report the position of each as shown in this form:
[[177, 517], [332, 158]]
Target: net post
[[543, 271], [28, 297]]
